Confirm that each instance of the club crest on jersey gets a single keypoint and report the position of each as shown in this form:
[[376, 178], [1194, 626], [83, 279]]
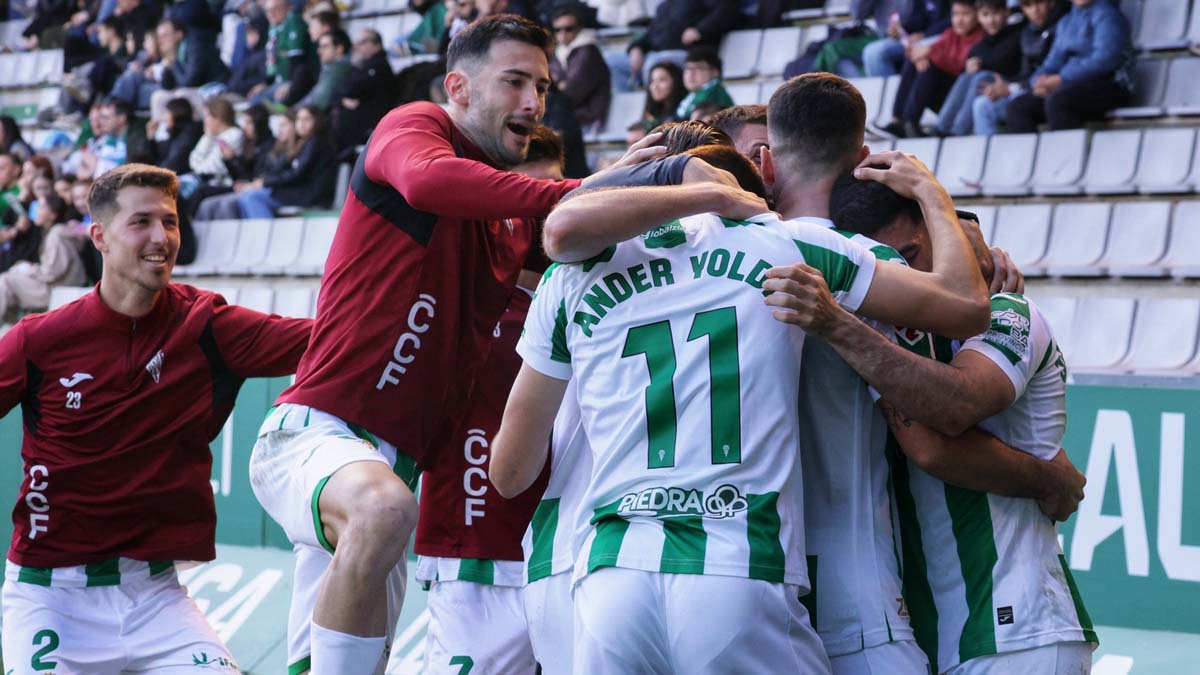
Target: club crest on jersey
[[154, 367], [676, 502], [1010, 330], [910, 336]]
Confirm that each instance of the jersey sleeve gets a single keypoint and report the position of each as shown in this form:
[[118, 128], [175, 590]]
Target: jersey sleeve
[[254, 344], [543, 343], [411, 151], [12, 368], [1014, 341], [848, 267]]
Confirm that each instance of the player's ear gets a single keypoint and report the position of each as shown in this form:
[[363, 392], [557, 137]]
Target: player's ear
[[767, 165], [96, 232], [457, 88]]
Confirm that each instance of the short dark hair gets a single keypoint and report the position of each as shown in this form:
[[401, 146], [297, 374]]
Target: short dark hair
[[56, 205], [994, 5], [175, 25], [179, 110], [102, 197], [727, 157], [817, 120], [680, 137], [328, 17], [120, 107], [474, 41], [340, 39], [731, 120], [545, 144], [704, 54], [371, 35], [220, 108], [571, 9], [867, 206], [114, 23]]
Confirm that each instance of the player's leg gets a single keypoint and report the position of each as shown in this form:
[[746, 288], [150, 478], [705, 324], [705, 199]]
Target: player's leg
[[719, 624], [165, 633], [549, 612], [902, 657], [619, 623], [476, 628], [70, 631]]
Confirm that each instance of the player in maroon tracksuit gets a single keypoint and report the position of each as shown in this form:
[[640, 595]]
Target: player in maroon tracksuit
[[121, 392]]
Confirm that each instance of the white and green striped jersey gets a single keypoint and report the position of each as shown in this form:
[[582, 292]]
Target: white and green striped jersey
[[557, 529], [688, 388], [109, 572], [984, 574], [488, 572], [853, 555]]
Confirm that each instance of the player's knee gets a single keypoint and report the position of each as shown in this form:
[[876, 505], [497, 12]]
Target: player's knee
[[383, 513]]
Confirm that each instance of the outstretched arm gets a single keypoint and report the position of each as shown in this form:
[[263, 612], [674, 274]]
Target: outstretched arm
[[519, 451]]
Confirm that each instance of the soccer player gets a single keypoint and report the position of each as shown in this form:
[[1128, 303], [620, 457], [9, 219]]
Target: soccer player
[[121, 393], [425, 259], [468, 536], [974, 610], [747, 126]]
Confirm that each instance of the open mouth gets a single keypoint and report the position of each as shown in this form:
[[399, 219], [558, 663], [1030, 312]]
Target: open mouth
[[155, 258], [523, 129]]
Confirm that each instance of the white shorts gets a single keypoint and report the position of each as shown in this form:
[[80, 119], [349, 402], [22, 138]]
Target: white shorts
[[297, 450], [550, 614], [476, 628], [1064, 658], [902, 657], [147, 624], [630, 621]]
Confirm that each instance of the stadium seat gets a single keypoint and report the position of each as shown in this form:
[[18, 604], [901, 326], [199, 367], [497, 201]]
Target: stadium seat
[[1112, 162], [390, 28], [1183, 96], [61, 295], [960, 164], [779, 47], [1162, 24], [766, 88], [1166, 161], [1059, 311], [1137, 239], [1023, 230], [287, 234], [890, 85], [1132, 11], [227, 291], [739, 53], [625, 109], [1164, 334], [254, 237], [1009, 164], [837, 7], [1193, 33], [294, 301], [49, 67], [871, 89], [216, 242], [814, 33], [1100, 332], [1183, 252], [926, 150], [1078, 235], [318, 237], [1149, 85], [743, 93], [25, 70], [8, 66], [1061, 156], [258, 298]]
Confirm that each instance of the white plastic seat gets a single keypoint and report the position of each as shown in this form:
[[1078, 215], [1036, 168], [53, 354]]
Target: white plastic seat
[[1183, 252], [8, 67], [390, 28], [254, 237], [295, 301], [1059, 311], [960, 164], [257, 298], [1164, 334], [1009, 164], [25, 70], [1024, 230], [1167, 157], [739, 53], [318, 237], [987, 219], [287, 236], [1183, 96], [1137, 239], [767, 88], [1100, 333], [61, 295], [1112, 162], [1078, 235], [1059, 162], [1149, 85], [227, 291], [625, 109], [926, 150], [1193, 33], [780, 46], [216, 243], [1162, 25], [871, 89], [837, 7], [49, 66], [891, 85], [743, 93]]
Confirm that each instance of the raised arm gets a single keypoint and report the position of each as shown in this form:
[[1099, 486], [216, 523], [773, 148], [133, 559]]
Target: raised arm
[[519, 451]]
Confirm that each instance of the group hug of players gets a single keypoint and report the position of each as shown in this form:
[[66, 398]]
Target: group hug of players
[[774, 446]]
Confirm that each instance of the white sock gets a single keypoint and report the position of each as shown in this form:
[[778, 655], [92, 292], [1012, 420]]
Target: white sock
[[335, 653]]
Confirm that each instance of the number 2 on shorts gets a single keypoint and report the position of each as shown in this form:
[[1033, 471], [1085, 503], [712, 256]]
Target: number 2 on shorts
[[51, 639]]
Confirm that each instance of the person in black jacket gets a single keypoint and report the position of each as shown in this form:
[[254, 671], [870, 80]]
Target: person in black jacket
[[252, 70], [989, 109], [997, 54], [677, 26], [183, 131], [197, 60], [303, 180], [916, 23], [368, 93]]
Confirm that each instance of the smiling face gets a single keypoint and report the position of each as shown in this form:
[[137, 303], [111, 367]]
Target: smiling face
[[698, 73], [661, 84], [992, 20], [140, 240], [504, 97], [305, 123]]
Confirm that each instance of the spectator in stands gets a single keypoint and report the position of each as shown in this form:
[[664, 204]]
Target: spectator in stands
[[183, 133], [621, 12], [917, 24], [195, 62], [251, 71], [45, 31], [197, 17], [334, 51], [79, 228], [998, 53], [255, 123], [11, 141], [119, 142], [35, 168], [139, 16], [578, 68], [369, 92], [291, 57], [990, 108], [664, 92], [143, 75], [283, 149], [10, 189], [322, 22], [1088, 72], [702, 78], [303, 179], [221, 143], [677, 26], [425, 38], [746, 125], [62, 187], [925, 81], [112, 60], [26, 285]]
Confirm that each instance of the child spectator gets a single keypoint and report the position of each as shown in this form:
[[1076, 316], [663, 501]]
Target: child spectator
[[927, 78], [255, 123], [578, 68], [998, 53], [222, 142], [1088, 72], [251, 71], [664, 93], [281, 152], [301, 179], [143, 75], [26, 285], [702, 77], [989, 110], [183, 133]]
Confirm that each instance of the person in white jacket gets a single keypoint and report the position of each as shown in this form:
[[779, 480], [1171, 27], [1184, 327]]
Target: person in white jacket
[[27, 285], [222, 140]]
